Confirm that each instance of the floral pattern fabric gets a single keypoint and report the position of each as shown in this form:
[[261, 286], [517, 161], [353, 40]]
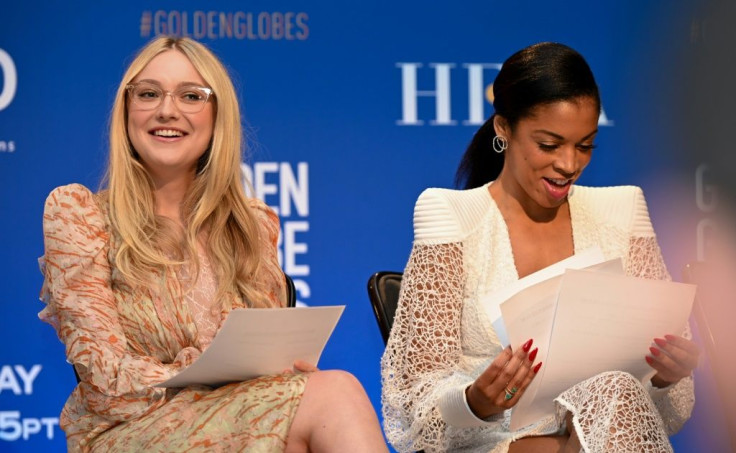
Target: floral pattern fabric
[[123, 340]]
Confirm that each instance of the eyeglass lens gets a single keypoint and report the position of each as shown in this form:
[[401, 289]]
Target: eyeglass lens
[[188, 99]]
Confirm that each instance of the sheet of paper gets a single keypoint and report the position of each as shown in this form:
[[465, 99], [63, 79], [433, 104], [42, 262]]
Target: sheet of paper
[[530, 313], [602, 322], [257, 342], [491, 302]]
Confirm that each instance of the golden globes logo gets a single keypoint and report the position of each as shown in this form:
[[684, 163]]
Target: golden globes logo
[[10, 79], [285, 188], [480, 94]]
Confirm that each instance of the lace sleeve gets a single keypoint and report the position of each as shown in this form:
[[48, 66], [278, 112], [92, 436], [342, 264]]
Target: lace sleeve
[[423, 352], [674, 403]]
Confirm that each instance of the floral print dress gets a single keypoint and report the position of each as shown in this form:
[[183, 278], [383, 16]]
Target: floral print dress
[[123, 340]]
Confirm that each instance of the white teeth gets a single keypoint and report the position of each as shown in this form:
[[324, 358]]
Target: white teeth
[[558, 182], [167, 133]]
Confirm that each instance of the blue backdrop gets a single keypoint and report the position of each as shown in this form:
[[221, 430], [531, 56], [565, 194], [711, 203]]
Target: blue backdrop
[[351, 111]]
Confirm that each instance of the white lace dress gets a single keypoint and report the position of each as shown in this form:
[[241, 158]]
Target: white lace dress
[[442, 340]]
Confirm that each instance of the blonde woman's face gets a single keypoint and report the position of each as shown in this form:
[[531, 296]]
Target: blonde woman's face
[[169, 141]]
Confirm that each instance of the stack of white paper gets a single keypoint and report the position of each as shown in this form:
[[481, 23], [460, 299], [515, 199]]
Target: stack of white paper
[[589, 321], [257, 342]]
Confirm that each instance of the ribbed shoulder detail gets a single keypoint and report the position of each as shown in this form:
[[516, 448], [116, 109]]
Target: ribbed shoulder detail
[[444, 215], [622, 206]]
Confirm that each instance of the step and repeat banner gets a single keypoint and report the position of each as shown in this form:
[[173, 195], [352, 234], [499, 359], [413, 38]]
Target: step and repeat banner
[[351, 110]]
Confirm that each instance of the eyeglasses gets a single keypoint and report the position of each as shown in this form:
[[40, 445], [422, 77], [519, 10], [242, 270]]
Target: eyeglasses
[[188, 98]]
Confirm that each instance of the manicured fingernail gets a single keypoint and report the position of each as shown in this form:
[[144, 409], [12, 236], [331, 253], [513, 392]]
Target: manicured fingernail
[[527, 345], [660, 342], [670, 337], [655, 351], [533, 354], [536, 368], [649, 360]]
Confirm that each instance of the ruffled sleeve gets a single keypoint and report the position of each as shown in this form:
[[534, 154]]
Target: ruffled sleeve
[[81, 306], [423, 383]]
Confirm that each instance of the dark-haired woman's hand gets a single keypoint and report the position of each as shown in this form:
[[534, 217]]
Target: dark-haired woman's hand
[[503, 382], [674, 358]]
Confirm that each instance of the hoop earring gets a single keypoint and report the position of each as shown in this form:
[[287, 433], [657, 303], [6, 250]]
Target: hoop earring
[[500, 144]]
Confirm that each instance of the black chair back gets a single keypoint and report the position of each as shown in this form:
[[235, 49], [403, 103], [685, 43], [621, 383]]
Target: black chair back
[[383, 291], [290, 292]]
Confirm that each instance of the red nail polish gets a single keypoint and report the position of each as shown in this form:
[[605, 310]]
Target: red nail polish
[[649, 360], [527, 346], [533, 354], [655, 351], [536, 368], [660, 342]]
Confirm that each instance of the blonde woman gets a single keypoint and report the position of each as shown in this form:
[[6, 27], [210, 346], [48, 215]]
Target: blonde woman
[[139, 276]]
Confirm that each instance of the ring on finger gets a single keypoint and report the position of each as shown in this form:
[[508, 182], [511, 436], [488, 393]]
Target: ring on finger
[[509, 393]]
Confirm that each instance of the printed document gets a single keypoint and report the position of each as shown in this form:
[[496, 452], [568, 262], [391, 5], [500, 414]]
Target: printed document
[[259, 341], [588, 321], [492, 302]]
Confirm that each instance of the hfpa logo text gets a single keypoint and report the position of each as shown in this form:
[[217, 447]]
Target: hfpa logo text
[[479, 93]]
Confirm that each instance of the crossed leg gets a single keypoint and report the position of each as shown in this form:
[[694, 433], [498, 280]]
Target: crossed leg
[[335, 414]]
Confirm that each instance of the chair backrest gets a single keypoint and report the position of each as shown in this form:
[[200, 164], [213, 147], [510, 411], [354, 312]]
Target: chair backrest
[[290, 292], [383, 291]]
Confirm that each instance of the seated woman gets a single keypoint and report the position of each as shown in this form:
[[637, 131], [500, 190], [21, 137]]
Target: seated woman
[[139, 277], [448, 384]]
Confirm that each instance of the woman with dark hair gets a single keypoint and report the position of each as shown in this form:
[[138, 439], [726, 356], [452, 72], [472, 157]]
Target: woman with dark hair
[[448, 383]]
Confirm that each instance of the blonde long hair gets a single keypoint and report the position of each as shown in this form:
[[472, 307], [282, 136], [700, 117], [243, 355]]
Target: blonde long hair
[[215, 204]]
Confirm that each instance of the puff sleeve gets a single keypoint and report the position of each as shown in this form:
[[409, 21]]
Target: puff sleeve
[[116, 384]]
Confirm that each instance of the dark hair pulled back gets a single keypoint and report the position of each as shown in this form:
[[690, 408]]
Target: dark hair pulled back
[[540, 74]]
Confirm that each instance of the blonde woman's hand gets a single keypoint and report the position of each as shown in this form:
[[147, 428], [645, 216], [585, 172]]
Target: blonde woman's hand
[[300, 366]]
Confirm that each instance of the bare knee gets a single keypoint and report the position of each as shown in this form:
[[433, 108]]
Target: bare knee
[[333, 382], [334, 410], [336, 392], [333, 388]]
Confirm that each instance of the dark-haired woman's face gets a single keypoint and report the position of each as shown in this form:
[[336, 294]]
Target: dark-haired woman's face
[[548, 151]]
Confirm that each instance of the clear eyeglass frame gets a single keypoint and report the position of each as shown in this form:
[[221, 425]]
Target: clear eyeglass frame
[[188, 98]]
